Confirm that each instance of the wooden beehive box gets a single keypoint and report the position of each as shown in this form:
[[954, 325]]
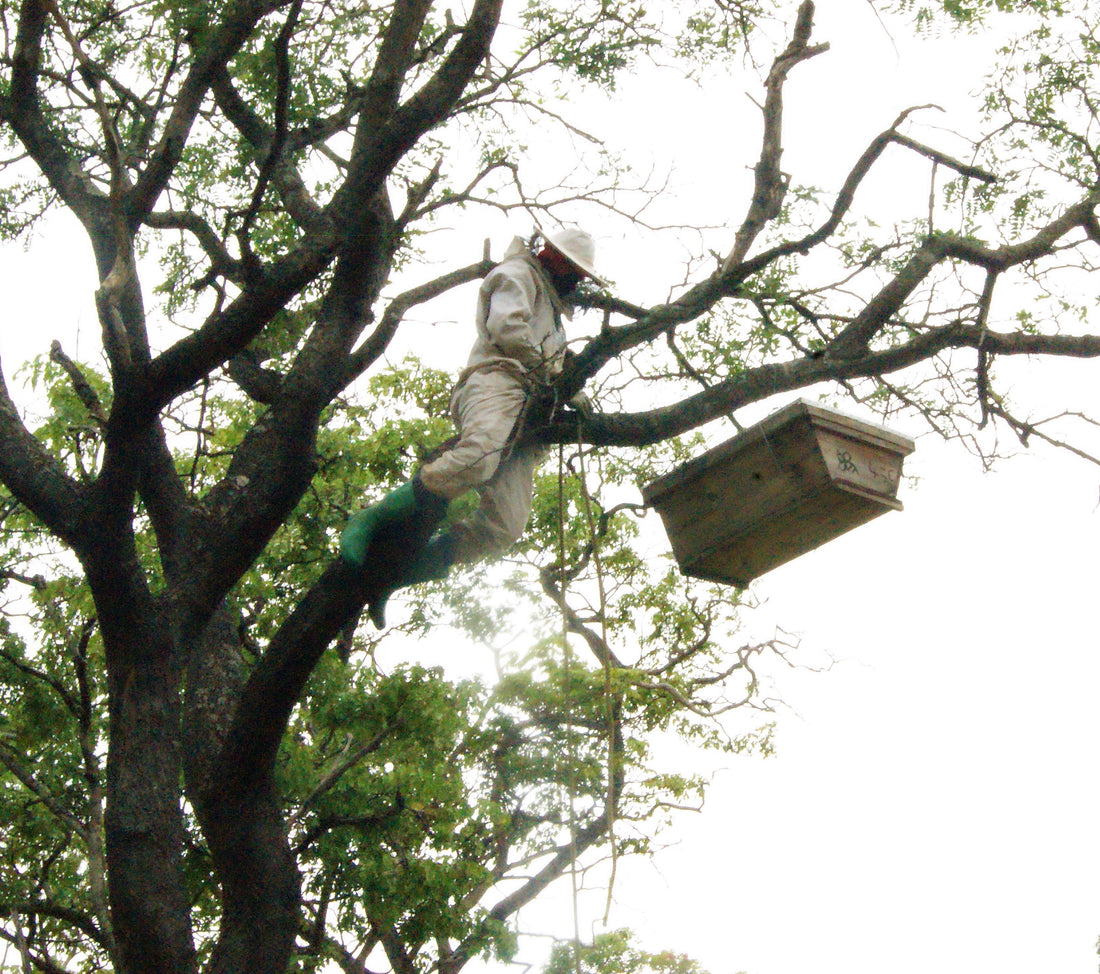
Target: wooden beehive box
[[799, 478]]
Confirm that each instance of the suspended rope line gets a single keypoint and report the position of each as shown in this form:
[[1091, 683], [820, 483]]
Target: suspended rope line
[[572, 747], [611, 800]]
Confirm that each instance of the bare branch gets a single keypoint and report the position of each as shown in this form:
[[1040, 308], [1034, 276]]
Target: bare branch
[[36, 479], [1026, 429], [771, 183], [962, 168], [376, 343], [83, 389]]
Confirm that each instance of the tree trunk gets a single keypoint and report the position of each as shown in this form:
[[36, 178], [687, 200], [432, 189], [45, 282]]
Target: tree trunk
[[144, 830], [245, 830]]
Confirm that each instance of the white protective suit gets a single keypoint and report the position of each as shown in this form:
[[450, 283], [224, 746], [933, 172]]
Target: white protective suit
[[520, 343]]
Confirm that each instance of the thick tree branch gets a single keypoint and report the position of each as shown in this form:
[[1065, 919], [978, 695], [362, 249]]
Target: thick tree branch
[[362, 358], [771, 184], [171, 511], [35, 478], [311, 380], [157, 482], [377, 149], [400, 958], [752, 385], [229, 331], [258, 383], [395, 57], [1020, 343], [651, 426], [22, 110], [223, 41], [878, 311], [276, 683]]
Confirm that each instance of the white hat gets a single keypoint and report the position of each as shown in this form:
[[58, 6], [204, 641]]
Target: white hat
[[578, 247]]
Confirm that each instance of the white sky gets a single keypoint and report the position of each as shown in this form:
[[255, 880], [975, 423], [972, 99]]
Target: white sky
[[933, 805]]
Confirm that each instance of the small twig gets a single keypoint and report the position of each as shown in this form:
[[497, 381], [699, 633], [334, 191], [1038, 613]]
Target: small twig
[[336, 773], [282, 100], [1025, 430], [962, 168], [983, 353], [932, 197], [37, 582]]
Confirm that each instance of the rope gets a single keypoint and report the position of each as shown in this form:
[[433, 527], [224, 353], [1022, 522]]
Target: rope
[[611, 799], [572, 745], [612, 728]]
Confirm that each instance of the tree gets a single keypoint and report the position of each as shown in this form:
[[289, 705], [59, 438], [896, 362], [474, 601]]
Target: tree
[[196, 782], [615, 952]]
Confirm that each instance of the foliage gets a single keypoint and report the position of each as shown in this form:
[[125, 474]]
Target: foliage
[[205, 760], [615, 952]]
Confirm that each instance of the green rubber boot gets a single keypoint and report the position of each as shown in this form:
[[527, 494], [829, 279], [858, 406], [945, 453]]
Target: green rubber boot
[[431, 564], [363, 526]]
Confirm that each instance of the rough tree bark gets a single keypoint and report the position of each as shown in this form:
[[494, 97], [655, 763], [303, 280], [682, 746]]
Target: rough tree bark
[[182, 703], [154, 639]]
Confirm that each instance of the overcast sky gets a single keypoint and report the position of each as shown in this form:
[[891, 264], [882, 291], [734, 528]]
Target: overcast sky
[[933, 804], [934, 799]]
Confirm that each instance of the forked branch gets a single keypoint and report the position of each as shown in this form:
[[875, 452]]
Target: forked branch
[[771, 182]]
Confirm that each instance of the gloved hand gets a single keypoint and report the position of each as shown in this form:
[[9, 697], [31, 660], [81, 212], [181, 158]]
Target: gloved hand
[[581, 403]]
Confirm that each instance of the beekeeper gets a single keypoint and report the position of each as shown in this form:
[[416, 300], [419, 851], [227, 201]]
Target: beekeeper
[[520, 346]]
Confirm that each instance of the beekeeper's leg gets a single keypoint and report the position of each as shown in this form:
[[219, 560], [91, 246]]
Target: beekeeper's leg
[[504, 511], [432, 563], [485, 410], [411, 502], [493, 528]]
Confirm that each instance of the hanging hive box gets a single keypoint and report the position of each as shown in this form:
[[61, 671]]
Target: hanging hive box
[[799, 478]]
